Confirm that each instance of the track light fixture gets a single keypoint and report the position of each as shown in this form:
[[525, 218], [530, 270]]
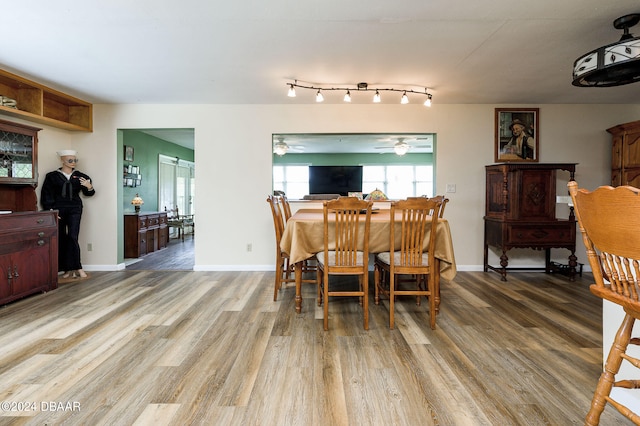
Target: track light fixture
[[360, 87]]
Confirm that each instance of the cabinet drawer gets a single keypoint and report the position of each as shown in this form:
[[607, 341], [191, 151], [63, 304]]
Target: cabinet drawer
[[152, 221], [19, 221], [542, 234]]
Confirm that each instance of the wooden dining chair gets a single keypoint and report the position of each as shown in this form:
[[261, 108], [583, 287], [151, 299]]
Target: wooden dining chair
[[286, 207], [444, 200], [418, 215], [283, 268], [347, 222], [609, 220]]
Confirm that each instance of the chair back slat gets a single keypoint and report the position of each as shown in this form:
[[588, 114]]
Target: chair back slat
[[347, 229], [416, 215], [285, 207]]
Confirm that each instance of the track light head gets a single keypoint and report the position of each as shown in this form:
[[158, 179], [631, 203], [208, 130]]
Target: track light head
[[319, 97], [347, 96], [405, 99]]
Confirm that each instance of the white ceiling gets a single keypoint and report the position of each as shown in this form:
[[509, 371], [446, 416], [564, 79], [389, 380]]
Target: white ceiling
[[244, 52]]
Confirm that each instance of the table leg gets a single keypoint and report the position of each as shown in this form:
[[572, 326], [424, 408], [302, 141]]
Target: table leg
[[298, 270]]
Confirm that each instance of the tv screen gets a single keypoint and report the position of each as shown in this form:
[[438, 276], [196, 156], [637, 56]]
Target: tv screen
[[335, 179]]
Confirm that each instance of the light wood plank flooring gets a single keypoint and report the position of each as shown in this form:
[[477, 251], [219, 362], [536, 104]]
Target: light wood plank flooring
[[212, 348]]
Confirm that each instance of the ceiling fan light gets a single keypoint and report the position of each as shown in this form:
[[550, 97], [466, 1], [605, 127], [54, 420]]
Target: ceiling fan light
[[319, 97], [405, 99], [376, 97], [280, 148], [615, 64], [401, 148], [292, 91]]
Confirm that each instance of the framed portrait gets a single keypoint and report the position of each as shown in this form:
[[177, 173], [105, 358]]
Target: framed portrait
[[128, 153], [517, 135]]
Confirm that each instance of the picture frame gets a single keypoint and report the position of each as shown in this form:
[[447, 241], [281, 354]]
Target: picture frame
[[517, 133], [128, 153]]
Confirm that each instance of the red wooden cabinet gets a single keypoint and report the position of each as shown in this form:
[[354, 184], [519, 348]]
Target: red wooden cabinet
[[28, 254]]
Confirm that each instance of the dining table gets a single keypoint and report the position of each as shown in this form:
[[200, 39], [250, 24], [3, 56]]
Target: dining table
[[303, 238]]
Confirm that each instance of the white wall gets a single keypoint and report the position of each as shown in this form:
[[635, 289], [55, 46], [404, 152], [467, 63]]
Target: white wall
[[233, 165]]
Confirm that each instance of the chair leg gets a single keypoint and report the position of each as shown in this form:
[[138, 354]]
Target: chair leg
[[325, 287], [278, 282], [319, 285], [432, 301], [365, 298], [611, 368], [392, 299], [376, 283]]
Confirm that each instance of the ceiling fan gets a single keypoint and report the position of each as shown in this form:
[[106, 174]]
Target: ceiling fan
[[281, 147], [401, 147]]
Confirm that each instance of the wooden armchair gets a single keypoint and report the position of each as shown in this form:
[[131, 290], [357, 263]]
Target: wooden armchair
[[419, 215], [609, 220], [180, 222]]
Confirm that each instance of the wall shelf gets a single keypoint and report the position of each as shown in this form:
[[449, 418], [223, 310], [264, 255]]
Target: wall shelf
[[41, 104]]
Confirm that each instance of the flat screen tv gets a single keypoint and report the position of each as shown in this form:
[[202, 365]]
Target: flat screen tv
[[335, 179]]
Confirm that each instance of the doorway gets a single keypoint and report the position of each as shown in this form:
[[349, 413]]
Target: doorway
[[164, 159]]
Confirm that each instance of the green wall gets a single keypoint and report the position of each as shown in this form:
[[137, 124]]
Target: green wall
[[146, 149], [352, 159]]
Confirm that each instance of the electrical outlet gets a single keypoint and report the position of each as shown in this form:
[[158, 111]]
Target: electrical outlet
[[89, 247], [451, 187], [249, 247]]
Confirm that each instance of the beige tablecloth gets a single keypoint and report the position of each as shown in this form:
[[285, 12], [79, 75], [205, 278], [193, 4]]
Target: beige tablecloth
[[304, 237]]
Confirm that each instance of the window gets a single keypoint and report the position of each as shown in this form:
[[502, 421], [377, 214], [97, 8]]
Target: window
[[399, 181], [396, 181], [292, 180], [176, 184]]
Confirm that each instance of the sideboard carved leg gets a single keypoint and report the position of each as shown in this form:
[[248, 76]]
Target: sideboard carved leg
[[504, 262], [573, 262]]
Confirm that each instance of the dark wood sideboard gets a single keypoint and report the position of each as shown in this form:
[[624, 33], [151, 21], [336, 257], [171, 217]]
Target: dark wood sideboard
[[520, 212], [28, 254], [144, 233]]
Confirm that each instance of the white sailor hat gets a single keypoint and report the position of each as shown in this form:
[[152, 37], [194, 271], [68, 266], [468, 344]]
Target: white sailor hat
[[66, 152]]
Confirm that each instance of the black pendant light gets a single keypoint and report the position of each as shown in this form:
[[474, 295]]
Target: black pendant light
[[615, 64]]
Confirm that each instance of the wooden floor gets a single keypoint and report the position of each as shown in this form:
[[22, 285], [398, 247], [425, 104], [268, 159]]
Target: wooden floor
[[213, 348], [177, 256]]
